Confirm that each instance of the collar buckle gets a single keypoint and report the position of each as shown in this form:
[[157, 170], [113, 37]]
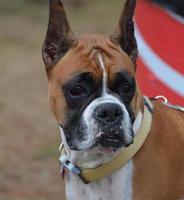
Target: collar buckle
[[69, 166], [66, 164]]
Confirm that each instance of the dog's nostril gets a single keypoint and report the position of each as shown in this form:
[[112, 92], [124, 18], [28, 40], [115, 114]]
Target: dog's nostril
[[108, 112], [118, 112], [101, 113]]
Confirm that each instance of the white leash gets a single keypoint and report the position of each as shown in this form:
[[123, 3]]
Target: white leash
[[166, 102]]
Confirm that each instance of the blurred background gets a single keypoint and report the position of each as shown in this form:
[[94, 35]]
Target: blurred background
[[29, 137]]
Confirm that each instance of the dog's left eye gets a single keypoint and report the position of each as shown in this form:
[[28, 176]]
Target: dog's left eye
[[77, 90], [127, 87]]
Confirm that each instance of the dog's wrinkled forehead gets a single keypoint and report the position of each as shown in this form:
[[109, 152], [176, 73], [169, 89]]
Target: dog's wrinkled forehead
[[82, 57]]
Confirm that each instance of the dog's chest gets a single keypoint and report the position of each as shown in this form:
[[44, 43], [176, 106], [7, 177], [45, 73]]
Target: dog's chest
[[116, 187]]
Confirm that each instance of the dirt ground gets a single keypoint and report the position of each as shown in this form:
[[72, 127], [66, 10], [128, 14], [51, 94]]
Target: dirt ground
[[29, 137]]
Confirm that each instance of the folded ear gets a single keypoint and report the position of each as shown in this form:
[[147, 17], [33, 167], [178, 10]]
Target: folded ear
[[59, 37], [124, 34]]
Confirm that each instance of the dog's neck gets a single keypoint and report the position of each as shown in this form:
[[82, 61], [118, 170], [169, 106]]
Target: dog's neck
[[118, 186]]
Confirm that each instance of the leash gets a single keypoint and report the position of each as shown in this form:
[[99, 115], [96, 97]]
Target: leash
[[166, 102], [104, 170]]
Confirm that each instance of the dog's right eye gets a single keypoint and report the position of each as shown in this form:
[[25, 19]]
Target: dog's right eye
[[77, 91]]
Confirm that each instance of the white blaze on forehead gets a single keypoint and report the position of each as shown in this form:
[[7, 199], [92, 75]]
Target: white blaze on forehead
[[105, 76]]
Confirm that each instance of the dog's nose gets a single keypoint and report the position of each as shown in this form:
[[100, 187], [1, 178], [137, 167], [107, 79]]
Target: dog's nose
[[108, 113]]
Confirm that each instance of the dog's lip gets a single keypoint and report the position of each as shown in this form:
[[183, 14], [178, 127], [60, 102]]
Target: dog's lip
[[108, 141], [107, 150]]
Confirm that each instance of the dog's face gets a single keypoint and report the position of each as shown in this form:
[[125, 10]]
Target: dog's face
[[92, 87]]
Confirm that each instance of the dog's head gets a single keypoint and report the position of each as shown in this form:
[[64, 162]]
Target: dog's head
[[92, 87]]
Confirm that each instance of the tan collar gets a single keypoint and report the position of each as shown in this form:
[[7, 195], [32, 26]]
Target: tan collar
[[104, 170]]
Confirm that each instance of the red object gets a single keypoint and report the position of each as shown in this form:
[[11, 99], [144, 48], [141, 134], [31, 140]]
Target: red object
[[164, 35]]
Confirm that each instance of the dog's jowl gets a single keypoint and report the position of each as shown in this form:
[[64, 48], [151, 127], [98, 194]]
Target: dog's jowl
[[117, 144]]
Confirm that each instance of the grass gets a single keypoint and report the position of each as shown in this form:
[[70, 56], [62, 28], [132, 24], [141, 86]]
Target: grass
[[98, 17], [47, 151], [91, 17], [24, 8]]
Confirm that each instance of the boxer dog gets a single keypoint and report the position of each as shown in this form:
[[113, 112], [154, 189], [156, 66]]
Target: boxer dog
[[117, 144]]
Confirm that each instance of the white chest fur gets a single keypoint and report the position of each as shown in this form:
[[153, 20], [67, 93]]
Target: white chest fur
[[118, 186]]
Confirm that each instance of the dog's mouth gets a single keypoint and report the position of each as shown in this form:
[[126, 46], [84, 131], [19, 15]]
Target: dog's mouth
[[111, 141]]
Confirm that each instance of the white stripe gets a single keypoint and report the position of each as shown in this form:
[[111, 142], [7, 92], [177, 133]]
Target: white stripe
[[177, 17], [159, 67], [102, 66]]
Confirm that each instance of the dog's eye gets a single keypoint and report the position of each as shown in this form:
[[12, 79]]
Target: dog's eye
[[127, 87], [77, 90]]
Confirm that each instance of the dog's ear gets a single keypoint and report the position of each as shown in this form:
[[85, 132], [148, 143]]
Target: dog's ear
[[59, 37], [124, 33]]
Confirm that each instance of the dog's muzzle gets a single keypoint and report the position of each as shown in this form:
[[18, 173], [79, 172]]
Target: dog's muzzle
[[109, 116], [105, 123]]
